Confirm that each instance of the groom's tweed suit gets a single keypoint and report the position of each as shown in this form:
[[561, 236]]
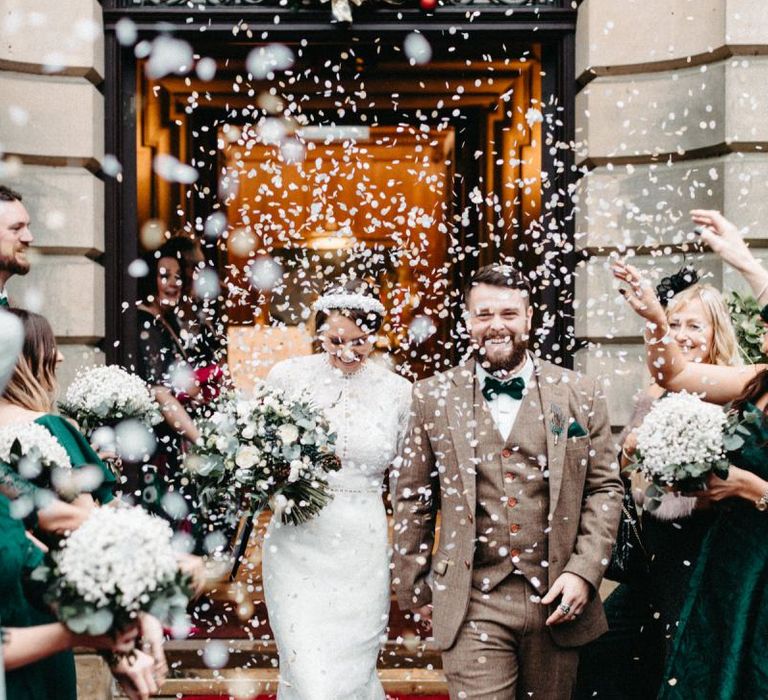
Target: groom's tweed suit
[[514, 516]]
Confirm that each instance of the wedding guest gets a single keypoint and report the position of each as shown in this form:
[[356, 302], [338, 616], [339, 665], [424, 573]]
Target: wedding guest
[[37, 649], [719, 649], [15, 239], [642, 614], [203, 338], [163, 362], [30, 395]]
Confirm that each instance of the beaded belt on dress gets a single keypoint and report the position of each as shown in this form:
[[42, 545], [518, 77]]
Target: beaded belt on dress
[[338, 489]]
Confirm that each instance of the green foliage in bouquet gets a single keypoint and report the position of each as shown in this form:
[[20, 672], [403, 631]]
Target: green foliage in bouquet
[[745, 315], [266, 450]]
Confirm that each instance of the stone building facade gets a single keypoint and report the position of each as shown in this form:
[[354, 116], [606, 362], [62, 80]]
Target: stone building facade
[[670, 114]]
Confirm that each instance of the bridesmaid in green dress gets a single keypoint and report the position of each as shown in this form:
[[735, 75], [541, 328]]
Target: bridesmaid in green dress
[[30, 395], [721, 646]]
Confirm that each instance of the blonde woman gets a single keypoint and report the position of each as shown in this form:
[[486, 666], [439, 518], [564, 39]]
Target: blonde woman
[[642, 615]]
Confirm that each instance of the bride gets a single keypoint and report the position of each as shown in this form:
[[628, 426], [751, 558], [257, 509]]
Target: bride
[[326, 582]]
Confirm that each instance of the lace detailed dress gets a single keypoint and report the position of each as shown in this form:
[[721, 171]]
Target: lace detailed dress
[[326, 581]]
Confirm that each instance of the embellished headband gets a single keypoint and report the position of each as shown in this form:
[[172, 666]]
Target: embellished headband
[[347, 300], [674, 284]]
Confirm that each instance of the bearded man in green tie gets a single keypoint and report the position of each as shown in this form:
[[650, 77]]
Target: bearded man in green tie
[[15, 239], [517, 455]]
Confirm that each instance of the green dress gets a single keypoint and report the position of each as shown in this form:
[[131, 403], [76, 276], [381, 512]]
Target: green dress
[[52, 678], [720, 650], [80, 453]]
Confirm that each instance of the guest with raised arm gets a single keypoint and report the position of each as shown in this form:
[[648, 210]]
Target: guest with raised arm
[[719, 649], [643, 611]]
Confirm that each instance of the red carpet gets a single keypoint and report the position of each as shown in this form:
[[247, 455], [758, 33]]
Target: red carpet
[[390, 696]]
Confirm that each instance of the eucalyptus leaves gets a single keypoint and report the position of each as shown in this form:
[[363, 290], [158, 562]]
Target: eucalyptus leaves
[[749, 327], [265, 449]]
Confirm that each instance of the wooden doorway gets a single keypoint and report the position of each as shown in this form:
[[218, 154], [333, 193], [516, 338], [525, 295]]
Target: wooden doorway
[[422, 171]]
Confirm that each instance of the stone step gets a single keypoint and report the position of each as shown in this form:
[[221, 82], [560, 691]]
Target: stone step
[[248, 683], [262, 654]]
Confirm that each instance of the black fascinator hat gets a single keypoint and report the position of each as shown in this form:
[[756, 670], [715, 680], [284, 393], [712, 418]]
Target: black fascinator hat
[[674, 284]]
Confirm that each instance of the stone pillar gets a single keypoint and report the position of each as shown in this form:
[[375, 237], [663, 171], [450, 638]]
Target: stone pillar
[[52, 141], [672, 114]]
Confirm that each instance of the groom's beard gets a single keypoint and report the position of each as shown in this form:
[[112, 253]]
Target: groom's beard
[[501, 363]]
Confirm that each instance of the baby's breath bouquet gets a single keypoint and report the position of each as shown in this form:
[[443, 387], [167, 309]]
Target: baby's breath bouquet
[[264, 449], [681, 441], [29, 451], [118, 563], [105, 395]]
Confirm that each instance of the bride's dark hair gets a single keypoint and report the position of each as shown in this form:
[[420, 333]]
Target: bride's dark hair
[[367, 321]]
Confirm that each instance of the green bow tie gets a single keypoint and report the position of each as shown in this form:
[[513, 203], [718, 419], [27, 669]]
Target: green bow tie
[[4, 302], [492, 387]]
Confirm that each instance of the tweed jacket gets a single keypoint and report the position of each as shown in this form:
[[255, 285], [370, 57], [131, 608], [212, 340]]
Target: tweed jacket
[[437, 473]]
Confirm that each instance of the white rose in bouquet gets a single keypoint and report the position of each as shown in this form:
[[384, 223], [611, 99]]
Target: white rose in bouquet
[[254, 449]]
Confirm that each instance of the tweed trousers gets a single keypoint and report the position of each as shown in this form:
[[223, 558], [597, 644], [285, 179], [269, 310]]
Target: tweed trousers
[[509, 660]]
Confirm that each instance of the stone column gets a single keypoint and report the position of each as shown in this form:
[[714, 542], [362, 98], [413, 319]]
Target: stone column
[[52, 141], [672, 114]]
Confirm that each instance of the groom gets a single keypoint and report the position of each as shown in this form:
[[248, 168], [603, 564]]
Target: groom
[[517, 455]]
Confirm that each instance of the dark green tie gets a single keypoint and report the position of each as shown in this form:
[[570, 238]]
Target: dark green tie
[[492, 387], [4, 302]]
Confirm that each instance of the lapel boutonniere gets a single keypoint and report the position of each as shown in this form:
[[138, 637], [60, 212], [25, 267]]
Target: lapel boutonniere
[[557, 421]]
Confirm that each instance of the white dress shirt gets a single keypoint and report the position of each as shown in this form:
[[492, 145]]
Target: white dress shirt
[[503, 407]]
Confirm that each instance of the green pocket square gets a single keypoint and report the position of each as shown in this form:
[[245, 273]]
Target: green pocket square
[[576, 431]]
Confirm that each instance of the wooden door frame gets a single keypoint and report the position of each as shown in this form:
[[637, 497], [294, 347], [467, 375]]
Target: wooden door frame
[[552, 27]]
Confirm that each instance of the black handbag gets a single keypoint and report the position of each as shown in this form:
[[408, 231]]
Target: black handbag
[[629, 558]]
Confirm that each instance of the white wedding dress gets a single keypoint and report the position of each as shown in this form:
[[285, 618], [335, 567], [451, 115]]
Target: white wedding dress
[[326, 582]]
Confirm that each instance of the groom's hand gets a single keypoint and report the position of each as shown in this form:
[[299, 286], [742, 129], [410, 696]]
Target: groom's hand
[[573, 592], [423, 616]]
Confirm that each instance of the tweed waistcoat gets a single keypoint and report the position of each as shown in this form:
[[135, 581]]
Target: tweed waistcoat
[[512, 496]]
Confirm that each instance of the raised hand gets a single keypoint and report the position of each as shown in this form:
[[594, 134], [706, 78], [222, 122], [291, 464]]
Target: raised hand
[[640, 295], [722, 237]]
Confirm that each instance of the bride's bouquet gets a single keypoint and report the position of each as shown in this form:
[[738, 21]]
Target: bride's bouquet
[[118, 563], [268, 449], [29, 451], [681, 441], [105, 395]]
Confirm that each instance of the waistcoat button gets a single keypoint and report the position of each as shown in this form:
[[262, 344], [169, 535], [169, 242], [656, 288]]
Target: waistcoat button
[[506, 453], [511, 502], [514, 527]]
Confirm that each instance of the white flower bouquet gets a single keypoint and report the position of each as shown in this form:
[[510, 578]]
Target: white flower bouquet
[[106, 395], [30, 451], [118, 563], [267, 448], [681, 441]]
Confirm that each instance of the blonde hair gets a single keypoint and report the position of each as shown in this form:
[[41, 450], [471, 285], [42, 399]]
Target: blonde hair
[[33, 383], [725, 346]]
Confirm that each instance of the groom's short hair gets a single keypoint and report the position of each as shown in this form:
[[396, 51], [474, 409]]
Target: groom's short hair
[[498, 275]]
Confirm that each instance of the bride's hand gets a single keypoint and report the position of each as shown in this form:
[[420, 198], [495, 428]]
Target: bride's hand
[[640, 295]]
